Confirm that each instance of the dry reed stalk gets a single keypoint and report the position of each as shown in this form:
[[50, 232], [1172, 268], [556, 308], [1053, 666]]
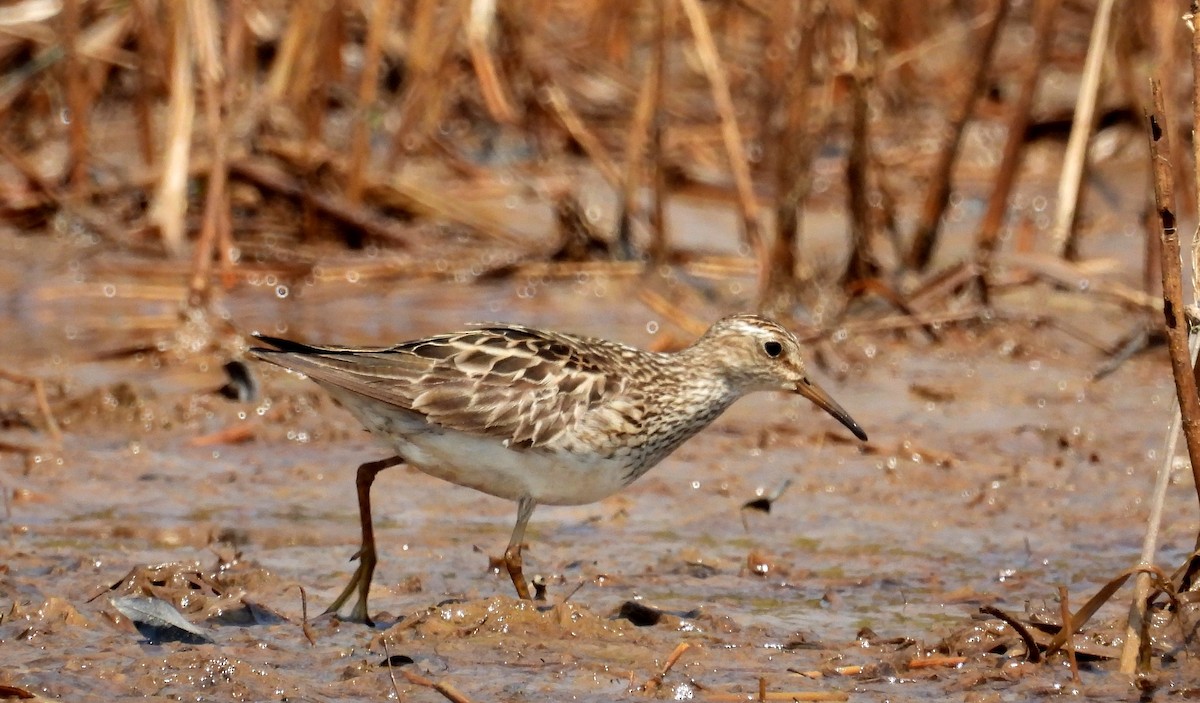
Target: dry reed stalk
[[170, 198], [215, 225], [793, 161], [38, 386], [639, 136], [1064, 607], [368, 83], [359, 217], [1192, 20], [77, 95], [925, 236], [1167, 52], [147, 31], [78, 206], [480, 22], [1063, 238], [429, 57], [574, 125], [988, 237], [861, 265], [296, 47], [235, 52], [659, 242], [706, 49], [1182, 363], [952, 34]]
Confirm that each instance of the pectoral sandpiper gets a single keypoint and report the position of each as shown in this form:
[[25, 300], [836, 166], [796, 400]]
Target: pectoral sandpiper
[[541, 417]]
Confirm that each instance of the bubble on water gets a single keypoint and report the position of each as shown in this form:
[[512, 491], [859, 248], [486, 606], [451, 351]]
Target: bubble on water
[[110, 290], [652, 327], [281, 291]]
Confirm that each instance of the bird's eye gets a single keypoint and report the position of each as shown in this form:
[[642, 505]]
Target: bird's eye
[[773, 349]]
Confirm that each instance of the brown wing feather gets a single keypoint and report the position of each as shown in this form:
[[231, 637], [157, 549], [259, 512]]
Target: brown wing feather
[[521, 385]]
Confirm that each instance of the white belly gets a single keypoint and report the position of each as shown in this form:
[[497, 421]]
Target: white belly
[[549, 476], [485, 464]]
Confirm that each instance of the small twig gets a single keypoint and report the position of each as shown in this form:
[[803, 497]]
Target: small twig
[[451, 693], [43, 403], [778, 696], [1064, 607], [304, 626], [387, 656], [1032, 652], [655, 681]]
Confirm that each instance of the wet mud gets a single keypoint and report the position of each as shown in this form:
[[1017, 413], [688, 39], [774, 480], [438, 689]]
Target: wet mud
[[997, 471]]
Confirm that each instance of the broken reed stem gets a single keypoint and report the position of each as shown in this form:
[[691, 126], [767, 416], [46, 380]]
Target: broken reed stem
[[1177, 324], [925, 237], [1075, 160], [706, 50], [1190, 19], [655, 681], [1010, 160], [1183, 358]]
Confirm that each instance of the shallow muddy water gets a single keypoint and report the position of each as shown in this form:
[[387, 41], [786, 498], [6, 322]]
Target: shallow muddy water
[[996, 472]]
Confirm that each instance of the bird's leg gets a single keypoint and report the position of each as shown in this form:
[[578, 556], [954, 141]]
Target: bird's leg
[[361, 581], [512, 555]]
